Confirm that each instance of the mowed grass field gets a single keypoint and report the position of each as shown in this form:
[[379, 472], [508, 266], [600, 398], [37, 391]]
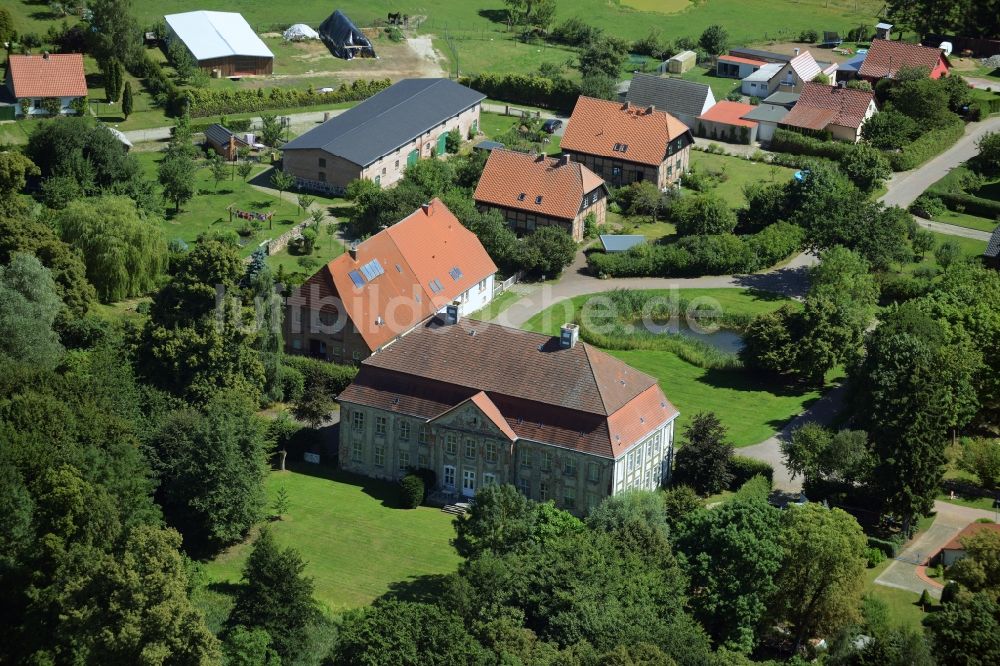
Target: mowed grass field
[[738, 172], [355, 541], [751, 409]]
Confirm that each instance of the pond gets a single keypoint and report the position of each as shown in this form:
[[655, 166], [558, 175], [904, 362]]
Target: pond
[[723, 339]]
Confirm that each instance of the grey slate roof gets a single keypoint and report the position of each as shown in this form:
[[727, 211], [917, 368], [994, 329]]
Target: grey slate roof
[[219, 135], [785, 99], [761, 55], [993, 247], [388, 120], [675, 96], [767, 113]]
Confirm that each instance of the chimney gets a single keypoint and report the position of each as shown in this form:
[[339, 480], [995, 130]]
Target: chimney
[[628, 105], [45, 55], [540, 157], [451, 313], [796, 50], [428, 208], [650, 109], [563, 159], [353, 251], [569, 334]]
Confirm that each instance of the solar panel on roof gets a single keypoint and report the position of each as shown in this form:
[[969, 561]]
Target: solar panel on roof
[[372, 269], [455, 273], [356, 278]]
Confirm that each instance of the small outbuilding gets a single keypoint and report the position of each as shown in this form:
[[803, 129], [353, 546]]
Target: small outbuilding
[[767, 117], [726, 122], [344, 39], [682, 62], [122, 139], [225, 142], [614, 243], [954, 550]]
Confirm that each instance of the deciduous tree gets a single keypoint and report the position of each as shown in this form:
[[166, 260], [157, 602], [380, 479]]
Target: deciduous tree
[[28, 308], [176, 174]]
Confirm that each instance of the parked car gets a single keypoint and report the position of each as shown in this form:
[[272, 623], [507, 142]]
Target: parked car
[[551, 125]]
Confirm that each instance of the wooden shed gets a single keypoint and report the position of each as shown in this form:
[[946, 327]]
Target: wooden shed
[[682, 62]]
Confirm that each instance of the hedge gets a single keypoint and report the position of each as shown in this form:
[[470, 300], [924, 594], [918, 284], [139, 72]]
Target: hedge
[[926, 146], [214, 101], [721, 254], [531, 89], [411, 491], [786, 141], [322, 375], [970, 204], [890, 548], [743, 469]]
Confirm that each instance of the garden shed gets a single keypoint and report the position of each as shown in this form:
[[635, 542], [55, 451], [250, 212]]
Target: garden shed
[[682, 62], [344, 39]]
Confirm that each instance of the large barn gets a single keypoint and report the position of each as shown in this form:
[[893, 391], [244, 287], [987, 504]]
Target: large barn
[[221, 42]]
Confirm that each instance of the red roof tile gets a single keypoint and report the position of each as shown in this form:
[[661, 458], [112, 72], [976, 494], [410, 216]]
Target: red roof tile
[[742, 61], [516, 180], [490, 411], [820, 105], [54, 75], [729, 113], [970, 530], [885, 57], [422, 248], [597, 126]]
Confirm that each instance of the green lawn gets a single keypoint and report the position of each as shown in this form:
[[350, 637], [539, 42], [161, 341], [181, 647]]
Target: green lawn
[[327, 247], [721, 86], [753, 410], [356, 543], [497, 305], [737, 172], [903, 608], [966, 220], [495, 124], [970, 247]]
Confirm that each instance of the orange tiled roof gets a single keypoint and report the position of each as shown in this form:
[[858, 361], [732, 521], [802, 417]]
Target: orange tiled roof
[[429, 246], [597, 126], [54, 75], [729, 113], [885, 57], [742, 61], [970, 530], [820, 105], [518, 180]]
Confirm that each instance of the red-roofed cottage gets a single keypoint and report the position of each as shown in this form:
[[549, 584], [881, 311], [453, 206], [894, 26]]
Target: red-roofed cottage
[[378, 291], [479, 404], [624, 144], [31, 79], [725, 122], [536, 191], [954, 550], [885, 57], [840, 111]]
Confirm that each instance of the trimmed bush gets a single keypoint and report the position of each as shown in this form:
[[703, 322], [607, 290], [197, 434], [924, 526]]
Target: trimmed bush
[[411, 491], [322, 375], [888, 548], [875, 557], [970, 203], [292, 383], [927, 205], [559, 94], [786, 141], [743, 469], [951, 588]]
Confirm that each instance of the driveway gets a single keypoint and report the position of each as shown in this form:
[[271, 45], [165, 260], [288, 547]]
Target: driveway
[[299, 123], [902, 573], [906, 186], [953, 230]]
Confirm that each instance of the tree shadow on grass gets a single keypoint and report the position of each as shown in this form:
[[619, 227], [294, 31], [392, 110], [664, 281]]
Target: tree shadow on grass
[[428, 588], [743, 380], [386, 492], [793, 282], [494, 15]]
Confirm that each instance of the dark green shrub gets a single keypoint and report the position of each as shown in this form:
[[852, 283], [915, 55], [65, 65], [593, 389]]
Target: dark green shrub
[[560, 94], [411, 491], [927, 205], [743, 469], [875, 557], [786, 141], [809, 36], [948, 593], [889, 548], [926, 146], [292, 383], [318, 375], [217, 101]]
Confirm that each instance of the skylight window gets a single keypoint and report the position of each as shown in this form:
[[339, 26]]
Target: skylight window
[[617, 147], [538, 199], [372, 269], [520, 197], [436, 286], [624, 147], [356, 278], [455, 274]]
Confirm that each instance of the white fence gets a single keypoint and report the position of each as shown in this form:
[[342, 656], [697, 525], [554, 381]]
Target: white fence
[[500, 287]]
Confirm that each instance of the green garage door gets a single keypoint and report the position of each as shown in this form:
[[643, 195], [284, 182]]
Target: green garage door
[[443, 144], [412, 157]]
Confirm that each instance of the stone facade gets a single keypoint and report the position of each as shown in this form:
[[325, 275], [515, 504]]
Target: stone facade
[[466, 450], [318, 170], [618, 172]]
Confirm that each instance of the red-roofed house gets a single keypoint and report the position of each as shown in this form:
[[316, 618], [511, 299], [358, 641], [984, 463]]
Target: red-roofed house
[[479, 404], [383, 287], [725, 122], [954, 550], [34, 78], [537, 191], [624, 144], [840, 111], [885, 57]]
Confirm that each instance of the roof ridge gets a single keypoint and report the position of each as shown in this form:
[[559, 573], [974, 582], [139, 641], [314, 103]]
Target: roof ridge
[[593, 373]]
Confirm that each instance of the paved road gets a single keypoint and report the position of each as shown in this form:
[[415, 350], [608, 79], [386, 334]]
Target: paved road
[[299, 121], [982, 83], [951, 519], [906, 186], [953, 230]]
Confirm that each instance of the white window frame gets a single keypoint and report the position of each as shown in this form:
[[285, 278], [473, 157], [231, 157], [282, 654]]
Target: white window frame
[[449, 470], [379, 456], [404, 430], [491, 452]]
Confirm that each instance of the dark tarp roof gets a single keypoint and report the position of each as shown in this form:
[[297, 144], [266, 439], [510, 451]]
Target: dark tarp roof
[[389, 120], [338, 33]]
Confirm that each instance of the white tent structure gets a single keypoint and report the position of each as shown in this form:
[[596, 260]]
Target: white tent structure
[[298, 32]]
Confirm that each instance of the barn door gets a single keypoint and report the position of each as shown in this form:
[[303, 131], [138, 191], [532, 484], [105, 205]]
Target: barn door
[[443, 144], [412, 158]]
